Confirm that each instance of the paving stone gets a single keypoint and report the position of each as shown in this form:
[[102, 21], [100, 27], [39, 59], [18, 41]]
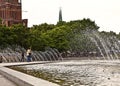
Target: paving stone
[[6, 82]]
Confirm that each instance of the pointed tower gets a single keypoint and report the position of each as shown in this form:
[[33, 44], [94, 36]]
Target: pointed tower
[[60, 15]]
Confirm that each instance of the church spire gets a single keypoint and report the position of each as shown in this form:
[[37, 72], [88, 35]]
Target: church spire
[[60, 15]]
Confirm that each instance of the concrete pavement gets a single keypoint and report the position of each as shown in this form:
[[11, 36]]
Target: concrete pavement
[[19, 78], [6, 82]]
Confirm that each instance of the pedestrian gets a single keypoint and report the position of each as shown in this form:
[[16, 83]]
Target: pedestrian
[[1, 59], [29, 55], [22, 57]]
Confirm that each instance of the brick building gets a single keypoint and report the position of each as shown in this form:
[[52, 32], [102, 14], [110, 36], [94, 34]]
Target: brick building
[[11, 12]]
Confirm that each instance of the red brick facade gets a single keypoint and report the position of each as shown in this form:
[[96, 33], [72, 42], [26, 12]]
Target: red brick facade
[[11, 12]]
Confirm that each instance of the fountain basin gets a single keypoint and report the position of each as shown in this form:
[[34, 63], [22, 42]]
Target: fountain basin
[[76, 73], [23, 79]]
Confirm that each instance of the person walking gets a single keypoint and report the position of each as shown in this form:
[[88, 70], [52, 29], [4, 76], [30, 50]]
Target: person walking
[[1, 59], [29, 55], [22, 57]]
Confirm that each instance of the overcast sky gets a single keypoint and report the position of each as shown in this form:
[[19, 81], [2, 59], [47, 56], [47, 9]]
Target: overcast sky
[[106, 13]]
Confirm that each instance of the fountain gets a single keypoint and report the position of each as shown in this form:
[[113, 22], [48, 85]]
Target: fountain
[[14, 55], [77, 73], [102, 70], [106, 47]]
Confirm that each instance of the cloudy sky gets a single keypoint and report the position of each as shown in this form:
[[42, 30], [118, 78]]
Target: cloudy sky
[[106, 13]]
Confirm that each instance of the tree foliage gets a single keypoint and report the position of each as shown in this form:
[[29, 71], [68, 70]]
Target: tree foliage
[[63, 36]]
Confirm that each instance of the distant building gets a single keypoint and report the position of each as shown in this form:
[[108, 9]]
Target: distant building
[[60, 15], [11, 12]]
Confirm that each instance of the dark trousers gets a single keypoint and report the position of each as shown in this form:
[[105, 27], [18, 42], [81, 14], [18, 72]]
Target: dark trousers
[[28, 59], [22, 60]]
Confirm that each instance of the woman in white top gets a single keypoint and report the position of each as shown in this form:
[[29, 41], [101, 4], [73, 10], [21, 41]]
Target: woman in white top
[[29, 55], [28, 52]]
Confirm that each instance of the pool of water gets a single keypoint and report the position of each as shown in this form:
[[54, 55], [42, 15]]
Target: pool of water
[[76, 73]]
